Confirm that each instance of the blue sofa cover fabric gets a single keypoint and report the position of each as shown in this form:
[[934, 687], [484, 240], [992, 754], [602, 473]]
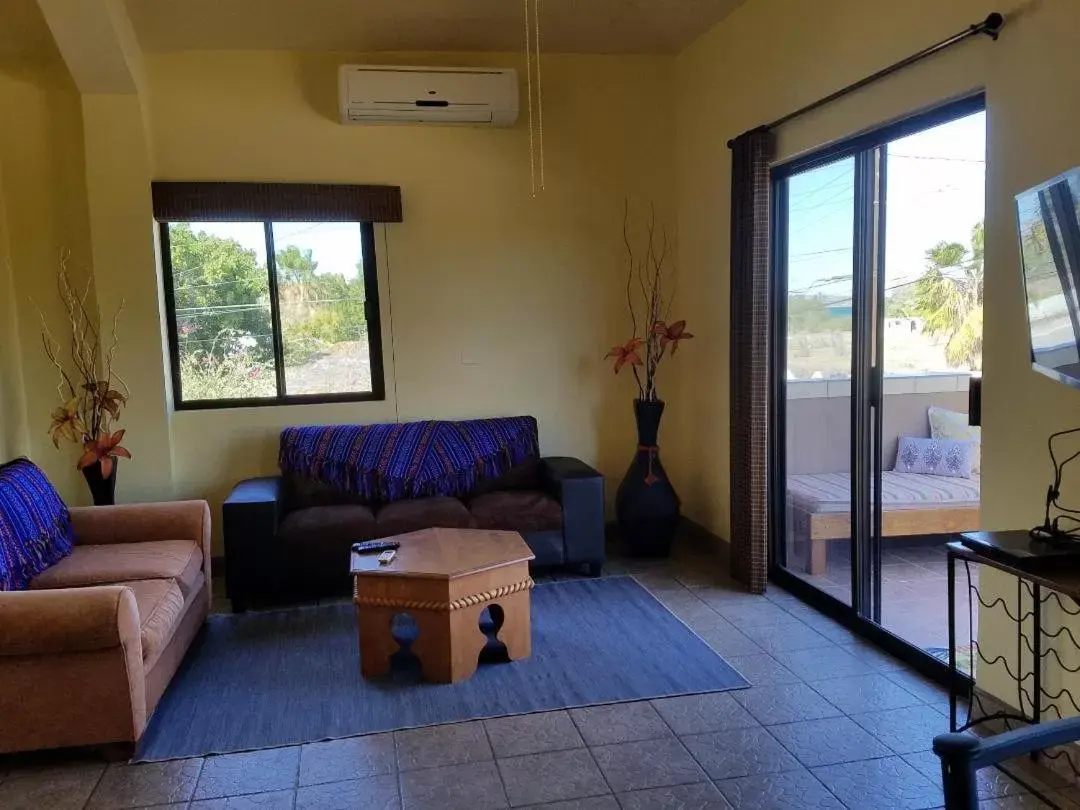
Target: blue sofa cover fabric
[[35, 528]]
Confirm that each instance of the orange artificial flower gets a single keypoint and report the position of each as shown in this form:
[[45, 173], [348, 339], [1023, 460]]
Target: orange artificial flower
[[671, 334], [627, 353], [104, 448]]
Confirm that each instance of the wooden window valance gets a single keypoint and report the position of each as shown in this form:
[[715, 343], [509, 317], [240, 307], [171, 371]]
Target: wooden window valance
[[279, 202]]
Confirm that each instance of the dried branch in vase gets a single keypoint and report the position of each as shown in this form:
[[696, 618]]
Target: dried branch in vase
[[648, 272], [90, 391]]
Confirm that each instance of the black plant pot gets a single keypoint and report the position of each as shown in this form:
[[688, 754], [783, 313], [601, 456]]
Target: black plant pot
[[102, 489], [646, 506]]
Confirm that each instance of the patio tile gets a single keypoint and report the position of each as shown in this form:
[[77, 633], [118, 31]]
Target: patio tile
[[740, 752], [880, 784], [59, 788], [784, 703], [354, 758], [792, 635], [788, 790], [276, 800], [146, 785], [864, 693], [821, 663], [647, 764], [250, 772], [924, 689], [748, 615], [532, 734], [763, 670], [703, 796], [828, 741], [698, 714], [725, 639], [436, 746], [554, 776], [992, 783], [472, 786], [905, 731], [875, 658], [594, 803], [618, 723]]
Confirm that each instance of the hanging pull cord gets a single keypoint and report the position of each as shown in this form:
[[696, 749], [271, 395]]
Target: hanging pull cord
[[539, 90], [528, 71]]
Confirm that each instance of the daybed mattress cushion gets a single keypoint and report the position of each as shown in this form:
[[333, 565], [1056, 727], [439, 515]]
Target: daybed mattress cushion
[[820, 493]]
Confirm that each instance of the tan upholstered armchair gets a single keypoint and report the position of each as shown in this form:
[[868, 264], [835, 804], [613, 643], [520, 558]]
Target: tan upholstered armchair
[[87, 651]]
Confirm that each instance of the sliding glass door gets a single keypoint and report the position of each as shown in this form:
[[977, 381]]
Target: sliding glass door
[[877, 254], [818, 207]]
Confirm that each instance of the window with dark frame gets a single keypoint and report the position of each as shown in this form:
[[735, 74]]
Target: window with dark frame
[[271, 292]]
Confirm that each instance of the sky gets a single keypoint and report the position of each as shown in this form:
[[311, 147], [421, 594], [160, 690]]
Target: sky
[[336, 246], [935, 192]]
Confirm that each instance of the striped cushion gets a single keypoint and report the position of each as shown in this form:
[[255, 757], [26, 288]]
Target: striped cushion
[[819, 493], [35, 529]]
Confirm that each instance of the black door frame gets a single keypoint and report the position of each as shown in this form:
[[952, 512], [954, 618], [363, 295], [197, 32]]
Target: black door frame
[[864, 614]]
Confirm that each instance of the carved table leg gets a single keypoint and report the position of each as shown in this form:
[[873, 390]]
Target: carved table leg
[[449, 643], [377, 643], [516, 631]]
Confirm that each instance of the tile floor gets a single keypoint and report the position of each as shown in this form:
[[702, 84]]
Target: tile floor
[[830, 722], [914, 588]]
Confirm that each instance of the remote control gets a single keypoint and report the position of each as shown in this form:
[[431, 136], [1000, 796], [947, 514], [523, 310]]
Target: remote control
[[375, 546], [387, 557]]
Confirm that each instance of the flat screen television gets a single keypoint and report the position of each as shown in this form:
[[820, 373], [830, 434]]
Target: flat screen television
[[1049, 220]]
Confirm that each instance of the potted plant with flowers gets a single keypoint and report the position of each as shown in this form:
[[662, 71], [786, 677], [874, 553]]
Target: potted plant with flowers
[[646, 504], [91, 393]]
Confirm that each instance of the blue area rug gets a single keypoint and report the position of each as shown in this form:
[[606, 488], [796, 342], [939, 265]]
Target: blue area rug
[[261, 680]]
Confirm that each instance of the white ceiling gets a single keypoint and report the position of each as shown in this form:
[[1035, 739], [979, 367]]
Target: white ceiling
[[569, 26]]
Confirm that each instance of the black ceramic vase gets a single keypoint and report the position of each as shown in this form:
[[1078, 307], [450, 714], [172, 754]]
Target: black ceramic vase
[[102, 489], [646, 506]]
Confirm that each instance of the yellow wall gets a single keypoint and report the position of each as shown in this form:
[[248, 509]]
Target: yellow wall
[[493, 302], [772, 56], [42, 211]]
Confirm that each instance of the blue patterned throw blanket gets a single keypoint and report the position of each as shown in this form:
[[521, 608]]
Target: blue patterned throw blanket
[[35, 528], [410, 460]]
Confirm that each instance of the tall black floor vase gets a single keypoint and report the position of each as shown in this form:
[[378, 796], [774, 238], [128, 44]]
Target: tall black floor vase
[[102, 488], [646, 506]]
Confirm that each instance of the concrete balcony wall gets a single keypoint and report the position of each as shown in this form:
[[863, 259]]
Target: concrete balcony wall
[[819, 417]]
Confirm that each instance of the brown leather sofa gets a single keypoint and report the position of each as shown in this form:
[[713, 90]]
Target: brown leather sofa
[[87, 651]]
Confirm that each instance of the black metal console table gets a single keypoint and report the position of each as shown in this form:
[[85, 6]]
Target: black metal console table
[[1043, 575]]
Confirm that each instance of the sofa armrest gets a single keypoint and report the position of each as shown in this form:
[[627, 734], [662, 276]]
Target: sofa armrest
[[250, 518], [68, 620], [71, 668], [580, 490]]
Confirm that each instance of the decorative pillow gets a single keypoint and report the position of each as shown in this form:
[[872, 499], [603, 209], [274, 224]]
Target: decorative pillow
[[946, 424], [934, 457], [35, 528]]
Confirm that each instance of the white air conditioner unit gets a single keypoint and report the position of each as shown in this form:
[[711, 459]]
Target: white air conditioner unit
[[400, 95]]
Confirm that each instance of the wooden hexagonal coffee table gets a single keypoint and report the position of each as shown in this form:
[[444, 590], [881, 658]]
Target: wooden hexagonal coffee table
[[444, 578]]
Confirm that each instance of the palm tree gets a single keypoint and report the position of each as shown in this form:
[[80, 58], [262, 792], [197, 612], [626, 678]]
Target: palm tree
[[949, 298]]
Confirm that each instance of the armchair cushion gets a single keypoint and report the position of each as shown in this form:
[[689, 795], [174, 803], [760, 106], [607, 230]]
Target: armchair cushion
[[517, 511], [180, 560], [35, 528]]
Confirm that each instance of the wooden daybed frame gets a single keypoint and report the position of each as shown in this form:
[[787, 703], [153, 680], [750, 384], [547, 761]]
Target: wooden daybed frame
[[819, 529]]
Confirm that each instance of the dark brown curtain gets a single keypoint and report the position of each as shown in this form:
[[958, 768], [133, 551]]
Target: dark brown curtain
[[283, 202], [751, 154]]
